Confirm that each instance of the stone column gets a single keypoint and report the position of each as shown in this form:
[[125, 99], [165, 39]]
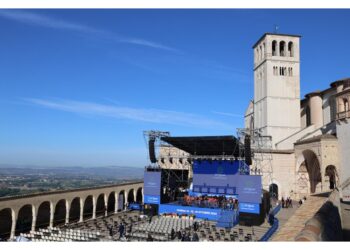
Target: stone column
[[135, 194], [52, 212], [93, 207], [33, 217], [81, 218], [106, 205], [67, 211], [13, 226], [142, 196], [125, 199], [116, 197]]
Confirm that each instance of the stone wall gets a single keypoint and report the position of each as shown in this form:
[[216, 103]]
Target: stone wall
[[325, 225]]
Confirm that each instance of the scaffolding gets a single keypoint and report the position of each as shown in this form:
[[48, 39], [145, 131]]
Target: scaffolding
[[261, 148]]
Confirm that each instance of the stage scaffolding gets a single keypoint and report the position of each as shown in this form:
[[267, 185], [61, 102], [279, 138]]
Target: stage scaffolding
[[261, 147]]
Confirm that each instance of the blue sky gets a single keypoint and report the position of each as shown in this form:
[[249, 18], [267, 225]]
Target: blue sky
[[78, 87]]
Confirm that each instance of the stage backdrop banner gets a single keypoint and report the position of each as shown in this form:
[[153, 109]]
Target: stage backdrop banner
[[151, 182], [215, 167], [202, 213], [249, 188], [215, 173]]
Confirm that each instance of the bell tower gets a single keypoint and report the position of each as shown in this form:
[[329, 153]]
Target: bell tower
[[277, 86]]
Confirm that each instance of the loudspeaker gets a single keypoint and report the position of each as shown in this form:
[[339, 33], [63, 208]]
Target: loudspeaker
[[152, 154], [247, 150]]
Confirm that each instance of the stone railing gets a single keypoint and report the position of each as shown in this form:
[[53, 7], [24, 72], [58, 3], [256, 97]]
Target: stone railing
[[325, 225], [343, 115]]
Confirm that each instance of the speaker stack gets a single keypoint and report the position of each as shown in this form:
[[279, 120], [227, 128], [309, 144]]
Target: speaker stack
[[247, 150], [152, 154]]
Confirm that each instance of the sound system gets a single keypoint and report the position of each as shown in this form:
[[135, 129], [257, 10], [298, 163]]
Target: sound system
[[152, 153], [247, 150]]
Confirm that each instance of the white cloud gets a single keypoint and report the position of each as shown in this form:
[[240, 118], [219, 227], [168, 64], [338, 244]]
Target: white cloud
[[49, 22], [136, 114], [227, 114]]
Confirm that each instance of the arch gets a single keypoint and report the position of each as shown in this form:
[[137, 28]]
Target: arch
[[290, 49], [274, 48], [312, 166], [88, 207], [121, 200], [59, 217], [24, 219], [131, 197], [74, 210], [261, 52], [111, 203], [273, 190], [100, 205], [43, 215], [139, 195], [6, 223], [346, 104], [282, 48], [332, 174]]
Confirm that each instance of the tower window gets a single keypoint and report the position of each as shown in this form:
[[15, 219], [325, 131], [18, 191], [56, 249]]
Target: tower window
[[290, 49], [274, 48], [282, 48]]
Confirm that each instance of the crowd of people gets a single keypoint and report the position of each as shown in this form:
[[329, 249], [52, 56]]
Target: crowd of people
[[222, 202], [286, 203]]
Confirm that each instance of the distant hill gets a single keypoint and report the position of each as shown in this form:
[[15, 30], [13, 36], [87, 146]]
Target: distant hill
[[115, 172]]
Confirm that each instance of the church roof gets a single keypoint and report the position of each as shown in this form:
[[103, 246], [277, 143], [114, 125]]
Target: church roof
[[316, 138], [274, 34]]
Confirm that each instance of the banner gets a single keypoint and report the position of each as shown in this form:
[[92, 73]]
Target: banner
[[202, 213], [249, 188], [151, 182], [252, 208], [151, 199]]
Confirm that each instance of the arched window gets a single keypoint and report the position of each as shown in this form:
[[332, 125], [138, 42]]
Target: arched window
[[290, 49], [261, 53], [346, 105], [264, 49], [291, 71], [282, 48], [258, 54], [274, 48]]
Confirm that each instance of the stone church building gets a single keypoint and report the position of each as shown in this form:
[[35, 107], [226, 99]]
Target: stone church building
[[304, 155]]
